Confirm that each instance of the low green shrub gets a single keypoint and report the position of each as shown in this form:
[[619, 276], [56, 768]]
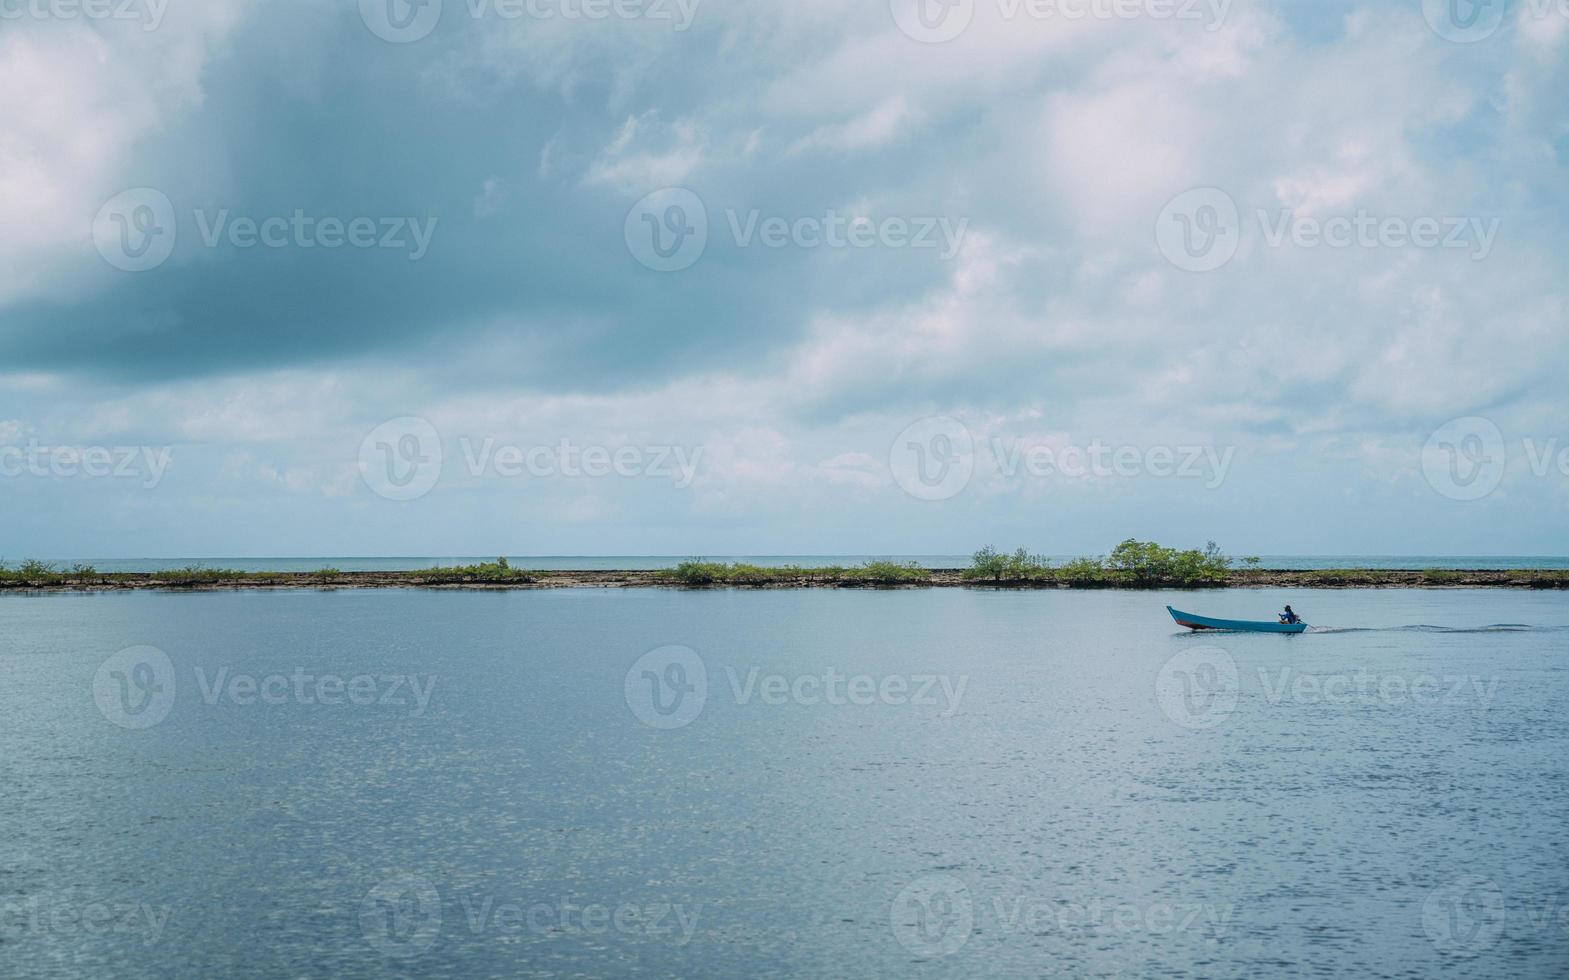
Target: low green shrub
[[888, 573], [1132, 564], [499, 570], [198, 575], [991, 565], [699, 572], [32, 572], [1083, 573], [1145, 564]]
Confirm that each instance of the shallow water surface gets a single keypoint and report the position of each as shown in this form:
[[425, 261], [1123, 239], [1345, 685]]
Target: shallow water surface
[[821, 783]]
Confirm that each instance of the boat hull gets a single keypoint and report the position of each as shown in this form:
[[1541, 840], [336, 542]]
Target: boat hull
[[1194, 621]]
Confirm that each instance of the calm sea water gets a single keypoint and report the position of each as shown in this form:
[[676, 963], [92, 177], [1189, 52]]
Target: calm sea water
[[782, 783], [636, 562]]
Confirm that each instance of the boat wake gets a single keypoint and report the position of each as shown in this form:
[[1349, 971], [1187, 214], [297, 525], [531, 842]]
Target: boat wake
[[1425, 628]]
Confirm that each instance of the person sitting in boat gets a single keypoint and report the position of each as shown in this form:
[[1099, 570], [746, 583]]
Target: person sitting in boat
[[1290, 617]]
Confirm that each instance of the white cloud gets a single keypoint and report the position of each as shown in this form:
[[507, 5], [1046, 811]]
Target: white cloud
[[1059, 320], [870, 129], [80, 101], [631, 164]]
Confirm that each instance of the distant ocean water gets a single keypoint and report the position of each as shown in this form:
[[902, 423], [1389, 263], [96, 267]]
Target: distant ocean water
[[639, 562]]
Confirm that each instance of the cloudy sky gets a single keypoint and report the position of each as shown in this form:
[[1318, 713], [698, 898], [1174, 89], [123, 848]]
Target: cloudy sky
[[721, 277]]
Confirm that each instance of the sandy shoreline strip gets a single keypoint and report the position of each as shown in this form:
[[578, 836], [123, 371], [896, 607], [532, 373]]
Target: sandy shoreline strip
[[610, 579]]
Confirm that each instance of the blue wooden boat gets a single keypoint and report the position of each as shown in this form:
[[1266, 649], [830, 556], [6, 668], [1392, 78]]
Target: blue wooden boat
[[1196, 622]]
